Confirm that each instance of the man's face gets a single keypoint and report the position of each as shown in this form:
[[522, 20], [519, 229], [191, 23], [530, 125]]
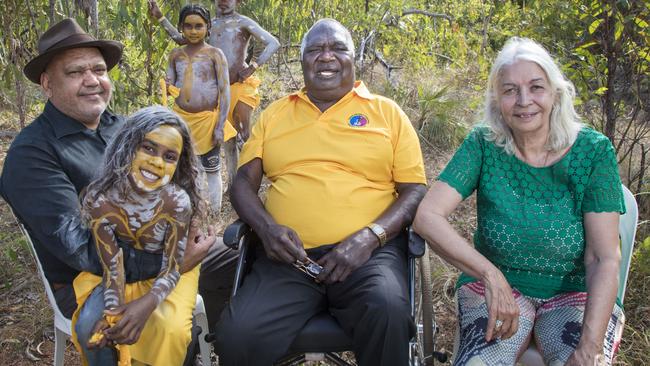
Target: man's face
[[76, 82], [225, 7], [194, 29], [328, 62]]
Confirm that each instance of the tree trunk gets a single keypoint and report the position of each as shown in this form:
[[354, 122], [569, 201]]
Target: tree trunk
[[20, 99], [94, 17], [609, 103], [52, 11]]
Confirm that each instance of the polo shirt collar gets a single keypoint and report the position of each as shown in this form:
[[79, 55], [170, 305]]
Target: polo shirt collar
[[359, 89], [63, 125]]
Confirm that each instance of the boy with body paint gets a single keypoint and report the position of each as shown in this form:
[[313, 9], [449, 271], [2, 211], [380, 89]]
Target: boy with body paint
[[145, 195], [232, 33], [197, 76]]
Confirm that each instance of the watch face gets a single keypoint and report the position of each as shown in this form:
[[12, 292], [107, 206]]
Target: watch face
[[379, 231]]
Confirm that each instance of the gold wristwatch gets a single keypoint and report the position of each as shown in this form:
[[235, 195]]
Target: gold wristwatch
[[379, 231]]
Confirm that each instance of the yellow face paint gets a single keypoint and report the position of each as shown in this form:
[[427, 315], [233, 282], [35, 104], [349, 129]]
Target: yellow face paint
[[194, 29], [156, 159]]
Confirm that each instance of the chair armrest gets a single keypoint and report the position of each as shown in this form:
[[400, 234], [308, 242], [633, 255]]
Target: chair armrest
[[234, 232], [417, 245]]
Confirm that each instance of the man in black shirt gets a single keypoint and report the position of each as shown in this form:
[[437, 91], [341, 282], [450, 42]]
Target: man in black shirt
[[51, 161]]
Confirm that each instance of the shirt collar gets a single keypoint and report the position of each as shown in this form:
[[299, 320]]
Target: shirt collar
[[63, 125], [359, 89]]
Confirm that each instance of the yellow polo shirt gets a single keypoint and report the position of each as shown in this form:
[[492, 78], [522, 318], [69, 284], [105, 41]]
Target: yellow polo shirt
[[333, 173]]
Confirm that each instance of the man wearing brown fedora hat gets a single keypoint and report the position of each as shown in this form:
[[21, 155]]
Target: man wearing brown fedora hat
[[54, 158]]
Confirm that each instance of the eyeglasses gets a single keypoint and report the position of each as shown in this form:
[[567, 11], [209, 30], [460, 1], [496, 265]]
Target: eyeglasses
[[310, 268]]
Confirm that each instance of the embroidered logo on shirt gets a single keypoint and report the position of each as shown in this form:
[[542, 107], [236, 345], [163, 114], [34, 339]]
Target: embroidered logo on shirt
[[358, 120]]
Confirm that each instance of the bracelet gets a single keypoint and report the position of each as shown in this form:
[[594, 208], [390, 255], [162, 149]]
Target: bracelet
[[161, 19]]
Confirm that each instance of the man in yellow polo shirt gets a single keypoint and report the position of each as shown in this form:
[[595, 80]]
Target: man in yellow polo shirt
[[346, 178]]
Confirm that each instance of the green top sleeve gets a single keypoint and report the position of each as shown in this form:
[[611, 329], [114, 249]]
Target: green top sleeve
[[603, 192]]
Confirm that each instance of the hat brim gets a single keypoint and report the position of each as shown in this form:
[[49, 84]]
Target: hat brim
[[111, 50]]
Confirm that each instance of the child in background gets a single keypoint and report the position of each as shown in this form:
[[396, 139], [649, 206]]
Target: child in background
[[232, 33], [145, 196], [197, 76]]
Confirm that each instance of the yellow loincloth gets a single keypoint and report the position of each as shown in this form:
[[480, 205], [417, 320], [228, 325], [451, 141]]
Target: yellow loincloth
[[157, 346], [201, 124], [245, 92]]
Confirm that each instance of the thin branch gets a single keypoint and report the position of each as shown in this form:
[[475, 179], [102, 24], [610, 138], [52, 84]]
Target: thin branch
[[284, 61], [412, 11], [33, 18]]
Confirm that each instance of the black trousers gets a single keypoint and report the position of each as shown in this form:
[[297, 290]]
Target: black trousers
[[276, 301]]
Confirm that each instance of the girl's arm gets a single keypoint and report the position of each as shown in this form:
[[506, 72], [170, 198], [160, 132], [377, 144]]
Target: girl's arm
[[602, 260], [105, 219], [177, 212], [155, 12], [223, 82]]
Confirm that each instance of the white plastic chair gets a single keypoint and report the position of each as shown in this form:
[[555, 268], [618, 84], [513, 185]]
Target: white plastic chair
[[63, 325], [626, 231]]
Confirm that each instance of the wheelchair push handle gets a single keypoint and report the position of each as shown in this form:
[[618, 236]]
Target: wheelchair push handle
[[417, 246], [234, 233]]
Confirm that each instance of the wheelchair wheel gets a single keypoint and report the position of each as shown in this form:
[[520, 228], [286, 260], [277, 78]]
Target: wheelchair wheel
[[426, 325], [424, 317]]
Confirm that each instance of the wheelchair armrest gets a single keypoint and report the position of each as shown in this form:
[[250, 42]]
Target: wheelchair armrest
[[234, 232], [417, 245]]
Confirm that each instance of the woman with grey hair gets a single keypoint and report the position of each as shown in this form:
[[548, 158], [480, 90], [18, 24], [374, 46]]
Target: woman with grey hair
[[145, 196], [545, 259]]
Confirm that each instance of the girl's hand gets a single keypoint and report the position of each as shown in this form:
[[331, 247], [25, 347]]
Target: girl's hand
[[217, 137], [154, 10], [198, 246], [98, 339], [503, 311], [134, 316]]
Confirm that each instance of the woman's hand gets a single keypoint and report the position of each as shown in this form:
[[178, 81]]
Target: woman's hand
[[503, 311], [586, 356], [134, 316]]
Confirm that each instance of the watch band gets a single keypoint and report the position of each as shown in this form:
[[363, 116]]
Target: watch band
[[379, 232]]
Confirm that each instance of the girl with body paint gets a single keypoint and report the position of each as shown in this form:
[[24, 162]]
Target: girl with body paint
[[145, 196], [197, 76]]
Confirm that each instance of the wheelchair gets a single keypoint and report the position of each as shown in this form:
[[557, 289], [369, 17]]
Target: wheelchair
[[322, 339]]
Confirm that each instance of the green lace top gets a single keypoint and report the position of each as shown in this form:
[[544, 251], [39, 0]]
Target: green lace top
[[530, 220]]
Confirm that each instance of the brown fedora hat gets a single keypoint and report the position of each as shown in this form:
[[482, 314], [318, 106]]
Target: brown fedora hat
[[65, 35]]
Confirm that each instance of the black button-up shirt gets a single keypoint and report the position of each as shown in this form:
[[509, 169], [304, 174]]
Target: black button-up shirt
[[48, 164]]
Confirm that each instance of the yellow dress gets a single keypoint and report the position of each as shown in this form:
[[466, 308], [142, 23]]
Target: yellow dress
[[167, 333]]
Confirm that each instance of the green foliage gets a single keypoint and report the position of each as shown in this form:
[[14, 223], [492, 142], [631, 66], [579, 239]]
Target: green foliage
[[436, 120], [641, 257]]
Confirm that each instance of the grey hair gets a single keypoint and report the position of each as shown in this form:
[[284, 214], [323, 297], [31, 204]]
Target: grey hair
[[114, 172], [564, 121], [348, 38]]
